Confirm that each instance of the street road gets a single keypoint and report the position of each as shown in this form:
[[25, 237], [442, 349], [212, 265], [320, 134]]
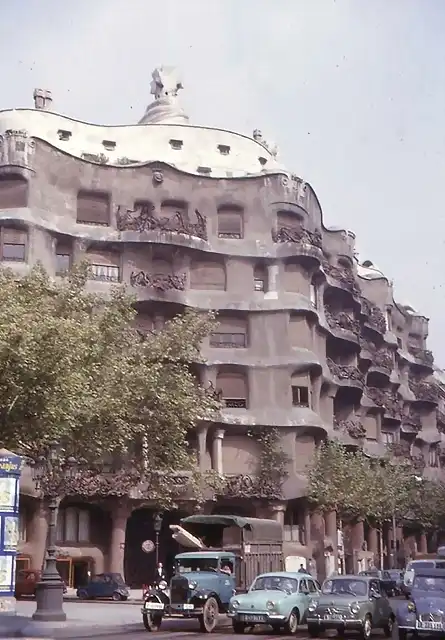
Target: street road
[[116, 621]]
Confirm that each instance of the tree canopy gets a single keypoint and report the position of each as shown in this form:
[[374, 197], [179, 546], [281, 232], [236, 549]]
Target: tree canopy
[[73, 369], [357, 486]]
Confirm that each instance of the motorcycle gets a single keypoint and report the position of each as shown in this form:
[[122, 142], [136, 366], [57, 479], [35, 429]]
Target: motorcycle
[[156, 603]]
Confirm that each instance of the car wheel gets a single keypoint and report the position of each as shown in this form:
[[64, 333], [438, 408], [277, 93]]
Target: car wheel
[[388, 628], [117, 597], [238, 627], [291, 625], [209, 618], [403, 634], [313, 630], [367, 628], [151, 622], [83, 595]]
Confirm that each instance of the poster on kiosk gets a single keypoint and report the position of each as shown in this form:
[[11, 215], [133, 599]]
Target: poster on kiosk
[[10, 469]]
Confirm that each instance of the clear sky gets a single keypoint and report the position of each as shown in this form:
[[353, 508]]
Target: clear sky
[[352, 91]]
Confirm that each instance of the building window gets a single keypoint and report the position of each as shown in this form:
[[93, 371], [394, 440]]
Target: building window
[[230, 222], [210, 276], [13, 191], [260, 278], [93, 208], [73, 525], [224, 149], [389, 437], [233, 388], [109, 145], [399, 343], [231, 333], [63, 258], [104, 273], [176, 144], [64, 135], [300, 396], [294, 530], [433, 457], [388, 320], [13, 244]]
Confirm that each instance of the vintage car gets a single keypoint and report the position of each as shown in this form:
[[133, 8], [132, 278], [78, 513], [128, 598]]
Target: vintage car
[[207, 578], [390, 580], [104, 585], [277, 599], [424, 613], [350, 603], [26, 583]]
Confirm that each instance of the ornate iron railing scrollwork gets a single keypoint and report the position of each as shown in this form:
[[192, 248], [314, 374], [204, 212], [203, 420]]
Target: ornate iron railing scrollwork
[[162, 282], [144, 219]]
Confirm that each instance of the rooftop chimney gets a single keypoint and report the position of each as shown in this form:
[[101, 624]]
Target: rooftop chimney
[[42, 99]]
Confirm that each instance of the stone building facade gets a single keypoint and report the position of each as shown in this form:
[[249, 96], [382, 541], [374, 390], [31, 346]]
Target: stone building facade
[[310, 340]]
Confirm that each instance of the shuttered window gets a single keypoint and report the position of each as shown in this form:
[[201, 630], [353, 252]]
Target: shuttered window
[[13, 192], [93, 208], [208, 276], [64, 255], [13, 244], [230, 223], [233, 387], [260, 278], [73, 525], [288, 220], [231, 333], [104, 266]]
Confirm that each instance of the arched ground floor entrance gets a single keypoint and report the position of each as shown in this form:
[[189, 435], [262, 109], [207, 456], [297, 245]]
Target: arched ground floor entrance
[[140, 566]]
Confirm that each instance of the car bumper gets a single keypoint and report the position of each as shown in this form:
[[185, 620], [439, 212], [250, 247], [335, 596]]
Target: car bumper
[[260, 617], [173, 611], [344, 623]]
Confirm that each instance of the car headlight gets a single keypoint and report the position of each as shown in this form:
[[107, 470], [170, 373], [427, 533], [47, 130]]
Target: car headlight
[[234, 604], [163, 585], [411, 607], [270, 605], [312, 605], [355, 607], [193, 585]]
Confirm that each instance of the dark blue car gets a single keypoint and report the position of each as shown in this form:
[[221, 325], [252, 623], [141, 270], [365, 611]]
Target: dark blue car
[[424, 612], [104, 585]]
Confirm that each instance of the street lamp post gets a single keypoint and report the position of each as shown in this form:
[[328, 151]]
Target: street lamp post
[[157, 526], [49, 591]]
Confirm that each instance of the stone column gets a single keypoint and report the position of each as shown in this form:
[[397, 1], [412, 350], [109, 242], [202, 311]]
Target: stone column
[[316, 391], [423, 543], [119, 516], [307, 527], [317, 542], [358, 538], [373, 542], [278, 511], [38, 532], [217, 451], [202, 446]]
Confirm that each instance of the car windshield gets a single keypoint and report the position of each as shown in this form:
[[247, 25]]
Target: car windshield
[[429, 584], [187, 565], [412, 566], [345, 586], [275, 583]]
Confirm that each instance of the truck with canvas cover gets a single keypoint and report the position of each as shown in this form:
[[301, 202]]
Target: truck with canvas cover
[[224, 555]]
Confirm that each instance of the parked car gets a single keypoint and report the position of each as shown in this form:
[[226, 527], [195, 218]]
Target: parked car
[[424, 612], [390, 580], [26, 583], [417, 565], [350, 603], [104, 585], [277, 599]]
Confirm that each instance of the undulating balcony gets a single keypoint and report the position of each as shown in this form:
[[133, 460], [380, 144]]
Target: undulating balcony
[[387, 400], [346, 373], [343, 277], [158, 281], [422, 356], [144, 219], [375, 318], [352, 426], [424, 390], [342, 323]]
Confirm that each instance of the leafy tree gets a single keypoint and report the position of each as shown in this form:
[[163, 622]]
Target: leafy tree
[[74, 370]]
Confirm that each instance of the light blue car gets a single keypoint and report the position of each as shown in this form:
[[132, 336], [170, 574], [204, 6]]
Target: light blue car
[[278, 599]]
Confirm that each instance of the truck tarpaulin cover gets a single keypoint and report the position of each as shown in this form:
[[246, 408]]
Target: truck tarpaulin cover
[[262, 529]]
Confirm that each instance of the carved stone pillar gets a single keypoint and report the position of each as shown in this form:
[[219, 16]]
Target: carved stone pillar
[[357, 539], [317, 542], [119, 517], [38, 532], [202, 446], [278, 511], [307, 527], [217, 451], [373, 542], [316, 390]]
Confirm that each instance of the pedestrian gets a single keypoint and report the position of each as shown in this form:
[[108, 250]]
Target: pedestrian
[[302, 569], [159, 574]]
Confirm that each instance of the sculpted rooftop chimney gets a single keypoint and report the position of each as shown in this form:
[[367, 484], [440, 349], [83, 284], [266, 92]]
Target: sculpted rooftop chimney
[[165, 108], [42, 99]]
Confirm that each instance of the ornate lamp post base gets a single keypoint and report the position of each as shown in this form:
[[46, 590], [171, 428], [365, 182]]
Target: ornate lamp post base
[[49, 598], [8, 606]]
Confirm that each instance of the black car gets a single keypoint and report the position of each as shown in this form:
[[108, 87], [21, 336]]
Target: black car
[[104, 585], [389, 580]]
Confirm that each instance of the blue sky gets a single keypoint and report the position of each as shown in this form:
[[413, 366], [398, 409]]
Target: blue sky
[[352, 91]]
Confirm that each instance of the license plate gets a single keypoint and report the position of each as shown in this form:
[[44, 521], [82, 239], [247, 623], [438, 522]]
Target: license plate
[[333, 616], [252, 618], [155, 606], [188, 607], [434, 626]]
